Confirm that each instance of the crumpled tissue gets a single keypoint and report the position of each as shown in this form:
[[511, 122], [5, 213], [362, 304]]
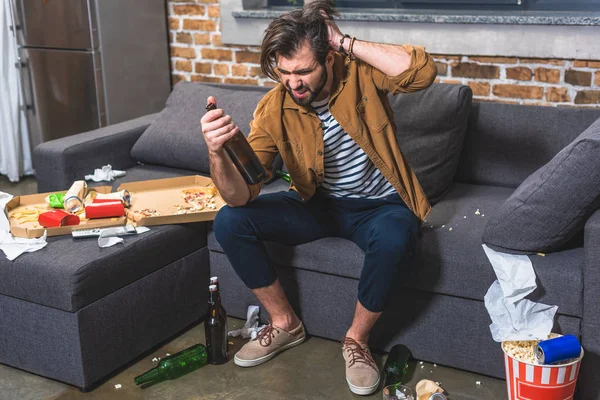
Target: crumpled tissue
[[250, 328], [108, 237], [106, 173], [513, 316], [13, 247]]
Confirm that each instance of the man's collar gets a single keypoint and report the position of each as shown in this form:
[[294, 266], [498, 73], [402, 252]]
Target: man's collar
[[340, 75]]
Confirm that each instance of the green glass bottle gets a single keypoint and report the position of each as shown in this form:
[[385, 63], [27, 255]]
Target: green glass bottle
[[396, 365], [174, 366], [283, 175]]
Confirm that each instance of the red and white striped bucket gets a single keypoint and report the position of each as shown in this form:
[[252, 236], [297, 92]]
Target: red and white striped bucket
[[525, 381]]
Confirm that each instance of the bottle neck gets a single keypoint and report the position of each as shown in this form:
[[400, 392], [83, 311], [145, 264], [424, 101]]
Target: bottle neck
[[215, 299], [283, 175], [150, 376]]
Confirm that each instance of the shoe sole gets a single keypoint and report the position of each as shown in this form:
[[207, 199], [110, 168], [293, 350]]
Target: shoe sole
[[263, 359], [363, 391]]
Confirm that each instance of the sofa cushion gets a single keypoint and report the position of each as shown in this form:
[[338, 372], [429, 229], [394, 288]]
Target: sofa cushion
[[450, 262], [431, 126], [69, 274], [453, 261], [175, 139], [553, 203]]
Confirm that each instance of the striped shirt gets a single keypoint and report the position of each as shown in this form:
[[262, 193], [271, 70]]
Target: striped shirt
[[349, 172]]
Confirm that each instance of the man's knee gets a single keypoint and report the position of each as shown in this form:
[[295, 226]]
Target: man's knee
[[229, 221], [395, 238]]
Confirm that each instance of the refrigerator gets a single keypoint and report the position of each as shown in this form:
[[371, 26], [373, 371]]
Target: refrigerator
[[85, 64]]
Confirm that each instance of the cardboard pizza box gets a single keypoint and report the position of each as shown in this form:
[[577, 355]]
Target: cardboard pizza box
[[36, 202], [167, 198]]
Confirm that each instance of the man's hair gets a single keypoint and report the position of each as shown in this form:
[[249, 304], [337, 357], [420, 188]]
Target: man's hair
[[287, 33]]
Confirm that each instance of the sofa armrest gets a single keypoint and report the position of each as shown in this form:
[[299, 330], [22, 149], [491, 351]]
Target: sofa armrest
[[591, 280], [589, 386], [59, 162]]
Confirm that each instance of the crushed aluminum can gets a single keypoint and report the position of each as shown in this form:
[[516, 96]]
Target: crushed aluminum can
[[558, 350], [124, 196], [438, 396]]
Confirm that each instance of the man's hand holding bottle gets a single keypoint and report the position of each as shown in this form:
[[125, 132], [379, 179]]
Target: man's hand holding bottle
[[236, 167], [217, 128]]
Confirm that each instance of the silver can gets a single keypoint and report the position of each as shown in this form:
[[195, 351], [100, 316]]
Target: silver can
[[438, 396], [123, 195]]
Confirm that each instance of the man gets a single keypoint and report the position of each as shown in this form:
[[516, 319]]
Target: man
[[330, 120]]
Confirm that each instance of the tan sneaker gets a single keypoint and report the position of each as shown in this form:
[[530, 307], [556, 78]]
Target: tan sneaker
[[269, 341], [362, 374]]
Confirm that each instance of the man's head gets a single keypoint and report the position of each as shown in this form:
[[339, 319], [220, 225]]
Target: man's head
[[295, 51]]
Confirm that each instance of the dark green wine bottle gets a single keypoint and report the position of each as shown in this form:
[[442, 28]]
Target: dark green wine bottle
[[396, 365], [174, 366], [283, 175], [243, 156], [215, 328]]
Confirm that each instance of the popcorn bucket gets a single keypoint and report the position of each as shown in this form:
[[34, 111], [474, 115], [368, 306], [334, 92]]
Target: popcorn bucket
[[529, 381]]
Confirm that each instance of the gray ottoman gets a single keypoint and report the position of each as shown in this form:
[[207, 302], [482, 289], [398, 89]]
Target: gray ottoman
[[75, 312]]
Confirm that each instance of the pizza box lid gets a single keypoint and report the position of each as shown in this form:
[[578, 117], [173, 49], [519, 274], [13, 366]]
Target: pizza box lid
[[165, 196]]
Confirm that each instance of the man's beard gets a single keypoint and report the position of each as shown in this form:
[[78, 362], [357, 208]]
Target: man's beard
[[313, 94]]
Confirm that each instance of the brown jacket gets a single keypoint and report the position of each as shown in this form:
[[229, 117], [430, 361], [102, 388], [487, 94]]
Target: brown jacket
[[359, 103]]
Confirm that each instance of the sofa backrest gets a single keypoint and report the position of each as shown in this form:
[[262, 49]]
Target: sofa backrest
[[175, 139], [506, 143], [431, 126]]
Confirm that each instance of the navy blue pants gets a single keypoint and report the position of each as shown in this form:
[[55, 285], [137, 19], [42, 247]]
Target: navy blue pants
[[385, 229]]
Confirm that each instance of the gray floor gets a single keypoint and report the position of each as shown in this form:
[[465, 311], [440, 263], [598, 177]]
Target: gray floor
[[26, 185], [314, 370]]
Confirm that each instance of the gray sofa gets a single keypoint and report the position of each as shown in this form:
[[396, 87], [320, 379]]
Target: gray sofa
[[76, 313]]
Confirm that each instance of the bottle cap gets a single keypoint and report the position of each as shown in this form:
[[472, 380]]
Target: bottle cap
[[212, 288]]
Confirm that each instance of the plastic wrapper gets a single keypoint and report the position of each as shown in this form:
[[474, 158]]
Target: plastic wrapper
[[55, 200]]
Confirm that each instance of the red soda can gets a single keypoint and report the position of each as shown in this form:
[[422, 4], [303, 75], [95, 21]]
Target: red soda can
[[105, 210]]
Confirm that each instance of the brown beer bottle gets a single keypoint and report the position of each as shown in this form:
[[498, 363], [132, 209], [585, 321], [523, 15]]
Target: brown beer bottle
[[243, 157], [215, 329]]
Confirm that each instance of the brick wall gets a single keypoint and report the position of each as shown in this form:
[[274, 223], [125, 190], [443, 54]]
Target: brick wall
[[199, 55], [525, 80]]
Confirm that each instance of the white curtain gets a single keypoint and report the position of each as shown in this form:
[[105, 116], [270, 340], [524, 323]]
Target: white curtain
[[15, 149]]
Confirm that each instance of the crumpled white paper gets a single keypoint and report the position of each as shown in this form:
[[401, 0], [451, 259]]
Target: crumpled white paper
[[108, 237], [250, 328], [106, 173], [13, 247], [513, 316]]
